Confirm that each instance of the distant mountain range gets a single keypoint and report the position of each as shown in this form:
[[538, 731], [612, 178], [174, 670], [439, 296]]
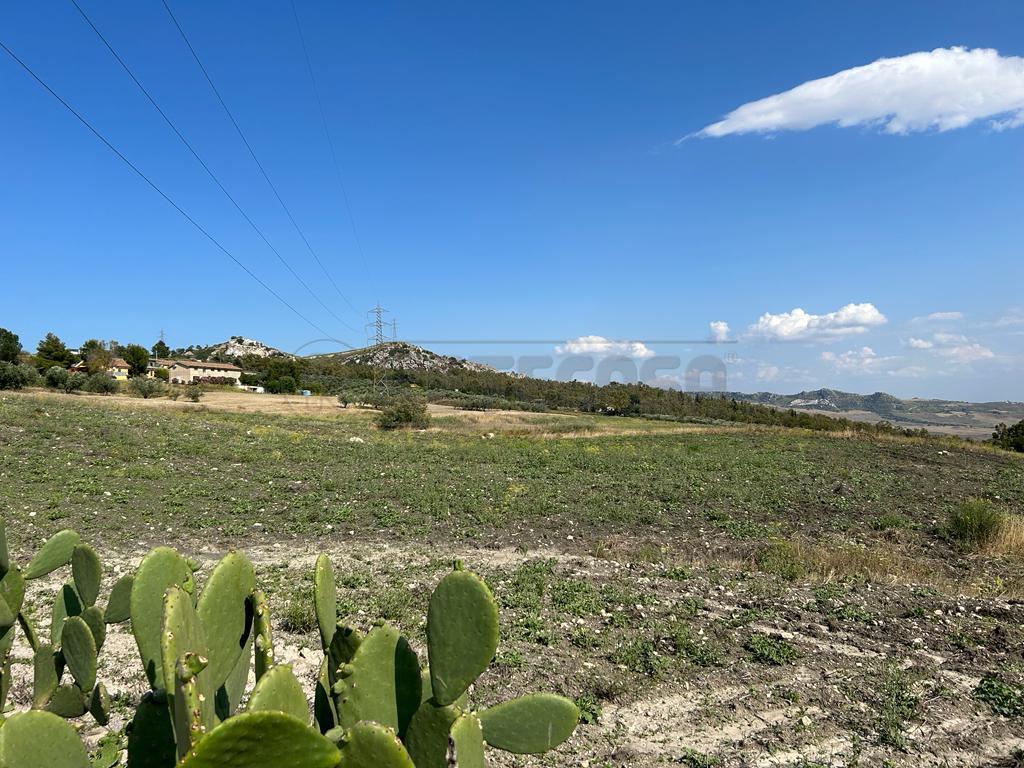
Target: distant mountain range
[[953, 416]]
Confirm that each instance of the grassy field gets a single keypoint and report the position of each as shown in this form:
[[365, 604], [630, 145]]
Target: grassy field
[[710, 595]]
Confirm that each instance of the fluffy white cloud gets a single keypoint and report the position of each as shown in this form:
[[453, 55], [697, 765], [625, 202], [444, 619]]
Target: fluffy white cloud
[[799, 325], [719, 330], [921, 344], [599, 345], [767, 372], [942, 89], [863, 360]]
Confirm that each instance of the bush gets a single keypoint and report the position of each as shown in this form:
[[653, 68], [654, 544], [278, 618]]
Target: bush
[[100, 384], [975, 522], [147, 388], [770, 650], [163, 374], [1010, 438], [33, 378], [193, 393], [285, 385], [75, 382], [11, 376], [56, 377], [404, 412]]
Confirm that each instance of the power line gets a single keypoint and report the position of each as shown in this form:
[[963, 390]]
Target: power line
[[152, 184], [205, 167], [330, 143], [248, 146]]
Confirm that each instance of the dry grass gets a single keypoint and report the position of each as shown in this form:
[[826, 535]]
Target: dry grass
[[1009, 540]]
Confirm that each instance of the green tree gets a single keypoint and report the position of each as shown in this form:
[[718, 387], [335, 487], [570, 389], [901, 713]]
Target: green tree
[[96, 355], [137, 358], [160, 349], [10, 346], [51, 351], [1010, 438]]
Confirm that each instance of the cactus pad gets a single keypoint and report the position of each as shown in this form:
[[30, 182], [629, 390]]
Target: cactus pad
[[381, 683], [53, 554], [263, 740], [67, 701], [183, 637], [466, 743], [370, 745], [79, 650], [279, 691], [34, 739], [94, 618], [427, 735], [87, 572], [325, 599], [530, 724], [119, 604], [99, 704], [44, 676], [65, 605], [150, 737], [160, 569], [462, 633], [224, 613], [12, 590]]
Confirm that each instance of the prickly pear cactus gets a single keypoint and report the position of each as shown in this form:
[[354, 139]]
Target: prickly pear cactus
[[370, 745], [381, 682], [462, 633], [263, 740], [161, 569], [279, 691], [34, 739], [224, 614]]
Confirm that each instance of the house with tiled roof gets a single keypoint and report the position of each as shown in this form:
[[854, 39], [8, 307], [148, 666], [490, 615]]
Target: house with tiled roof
[[117, 368], [203, 371]]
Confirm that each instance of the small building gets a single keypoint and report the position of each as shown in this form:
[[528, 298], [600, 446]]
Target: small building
[[155, 364], [203, 372], [116, 369]]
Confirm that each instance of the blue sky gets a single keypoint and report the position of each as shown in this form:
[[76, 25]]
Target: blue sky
[[516, 172]]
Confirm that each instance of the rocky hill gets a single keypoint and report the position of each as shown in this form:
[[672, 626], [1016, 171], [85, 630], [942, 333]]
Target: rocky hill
[[234, 348], [402, 356]]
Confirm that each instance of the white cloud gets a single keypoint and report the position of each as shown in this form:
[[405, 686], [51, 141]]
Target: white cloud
[[1013, 317], [719, 330], [942, 89], [863, 360], [966, 353], [599, 345], [909, 372], [766, 372], [799, 325], [939, 317], [953, 346]]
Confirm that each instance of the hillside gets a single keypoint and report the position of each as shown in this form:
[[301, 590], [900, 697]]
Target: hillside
[[402, 356], [235, 347], [952, 416]]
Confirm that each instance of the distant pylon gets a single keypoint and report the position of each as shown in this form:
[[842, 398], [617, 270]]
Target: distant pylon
[[376, 324]]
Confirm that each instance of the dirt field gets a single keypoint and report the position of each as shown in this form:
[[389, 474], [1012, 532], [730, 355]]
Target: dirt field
[[709, 596]]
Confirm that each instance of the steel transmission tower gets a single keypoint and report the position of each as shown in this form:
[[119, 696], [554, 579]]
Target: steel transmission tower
[[376, 324]]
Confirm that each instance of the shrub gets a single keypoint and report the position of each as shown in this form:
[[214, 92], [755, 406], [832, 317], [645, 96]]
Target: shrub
[[163, 374], [1010, 438], [10, 346], [56, 377], [975, 523], [75, 382], [32, 377], [284, 385], [100, 384], [147, 388], [193, 394], [404, 412], [11, 376]]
